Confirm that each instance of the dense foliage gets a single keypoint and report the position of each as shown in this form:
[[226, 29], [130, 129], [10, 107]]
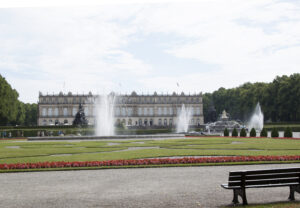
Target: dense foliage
[[13, 111], [274, 132], [226, 132], [234, 132], [243, 133], [279, 100], [263, 133], [288, 132], [252, 133]]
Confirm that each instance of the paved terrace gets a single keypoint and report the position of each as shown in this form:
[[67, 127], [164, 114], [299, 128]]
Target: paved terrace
[[143, 187]]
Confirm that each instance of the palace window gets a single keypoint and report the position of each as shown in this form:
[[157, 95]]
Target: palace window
[[145, 111], [139, 111], [165, 110], [117, 111], [198, 111], [129, 111], [44, 111], [151, 111], [49, 111], [140, 122], [74, 111], [171, 122], [129, 122], [56, 111], [192, 111], [178, 110], [170, 111], [65, 111], [86, 111], [159, 111], [159, 122], [123, 112]]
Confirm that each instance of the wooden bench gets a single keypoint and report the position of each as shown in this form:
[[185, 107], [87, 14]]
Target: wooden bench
[[240, 180]]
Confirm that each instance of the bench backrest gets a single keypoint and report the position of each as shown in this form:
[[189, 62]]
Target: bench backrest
[[271, 177]]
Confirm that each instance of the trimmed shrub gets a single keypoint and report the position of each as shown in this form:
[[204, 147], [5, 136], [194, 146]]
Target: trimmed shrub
[[253, 132], [263, 133], [288, 132], [226, 132], [234, 132], [243, 133], [274, 133]]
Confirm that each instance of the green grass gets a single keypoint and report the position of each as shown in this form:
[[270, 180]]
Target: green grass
[[101, 150]]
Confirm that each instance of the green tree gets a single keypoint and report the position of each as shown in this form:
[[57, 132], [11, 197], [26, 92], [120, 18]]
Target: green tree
[[234, 132], [253, 132], [8, 103], [263, 133], [30, 114], [226, 132], [280, 99], [243, 133], [288, 132], [274, 132]]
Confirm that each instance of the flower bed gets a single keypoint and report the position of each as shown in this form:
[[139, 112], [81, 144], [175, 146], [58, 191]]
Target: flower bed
[[156, 161]]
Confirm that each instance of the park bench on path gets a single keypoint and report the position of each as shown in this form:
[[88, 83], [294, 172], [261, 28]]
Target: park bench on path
[[240, 180]]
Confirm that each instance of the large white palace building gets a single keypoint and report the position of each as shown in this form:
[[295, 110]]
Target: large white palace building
[[133, 110]]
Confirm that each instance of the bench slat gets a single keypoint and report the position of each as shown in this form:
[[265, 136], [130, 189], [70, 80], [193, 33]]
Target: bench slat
[[264, 182], [253, 172], [258, 186], [264, 176]]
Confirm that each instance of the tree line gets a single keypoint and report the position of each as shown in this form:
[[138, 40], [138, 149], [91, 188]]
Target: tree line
[[279, 100], [13, 111]]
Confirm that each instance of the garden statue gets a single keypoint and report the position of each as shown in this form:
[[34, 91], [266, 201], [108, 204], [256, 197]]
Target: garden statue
[[80, 119]]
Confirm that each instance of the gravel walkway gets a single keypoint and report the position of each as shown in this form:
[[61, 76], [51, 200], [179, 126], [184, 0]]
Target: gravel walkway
[[144, 187]]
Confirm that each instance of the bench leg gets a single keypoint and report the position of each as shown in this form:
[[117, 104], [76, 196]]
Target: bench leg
[[236, 193], [292, 192], [244, 197], [241, 193]]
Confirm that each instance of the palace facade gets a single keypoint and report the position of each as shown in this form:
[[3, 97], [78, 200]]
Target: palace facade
[[156, 110]]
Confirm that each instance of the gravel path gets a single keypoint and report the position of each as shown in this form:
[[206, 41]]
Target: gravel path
[[144, 187]]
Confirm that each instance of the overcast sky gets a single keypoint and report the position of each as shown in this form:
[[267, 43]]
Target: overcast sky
[[83, 46]]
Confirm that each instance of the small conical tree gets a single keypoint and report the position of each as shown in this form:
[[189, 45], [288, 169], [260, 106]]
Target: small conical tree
[[243, 133], [226, 132], [263, 133], [253, 132], [234, 132], [288, 132], [274, 132]]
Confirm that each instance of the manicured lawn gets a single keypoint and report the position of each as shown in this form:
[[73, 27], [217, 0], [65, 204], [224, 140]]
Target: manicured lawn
[[24, 151]]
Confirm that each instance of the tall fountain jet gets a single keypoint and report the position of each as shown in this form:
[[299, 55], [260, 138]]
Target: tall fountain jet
[[105, 115], [183, 119], [257, 119]]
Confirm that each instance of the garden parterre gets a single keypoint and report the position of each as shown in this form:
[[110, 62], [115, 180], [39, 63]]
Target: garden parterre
[[79, 151]]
